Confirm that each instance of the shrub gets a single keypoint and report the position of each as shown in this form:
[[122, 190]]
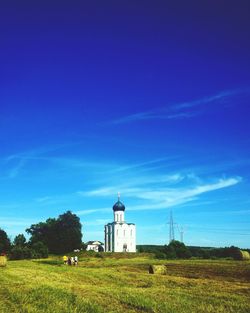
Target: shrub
[[99, 255], [160, 255], [19, 253]]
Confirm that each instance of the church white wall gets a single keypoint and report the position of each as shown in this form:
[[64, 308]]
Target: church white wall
[[120, 237], [106, 238], [124, 234]]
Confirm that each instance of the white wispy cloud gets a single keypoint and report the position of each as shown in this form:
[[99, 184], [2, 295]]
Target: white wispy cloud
[[160, 197], [19, 160], [206, 100], [91, 211], [15, 163], [180, 110], [130, 189], [97, 222], [43, 199], [145, 192], [122, 168], [15, 221], [15, 170]]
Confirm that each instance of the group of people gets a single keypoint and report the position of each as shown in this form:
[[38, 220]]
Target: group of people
[[70, 260]]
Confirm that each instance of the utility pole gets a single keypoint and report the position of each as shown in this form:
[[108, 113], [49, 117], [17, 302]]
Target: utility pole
[[181, 231], [171, 227]]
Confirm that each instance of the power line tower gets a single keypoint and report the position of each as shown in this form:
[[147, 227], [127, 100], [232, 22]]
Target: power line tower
[[181, 231], [171, 227]]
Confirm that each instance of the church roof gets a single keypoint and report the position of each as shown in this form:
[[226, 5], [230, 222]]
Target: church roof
[[118, 206], [96, 242]]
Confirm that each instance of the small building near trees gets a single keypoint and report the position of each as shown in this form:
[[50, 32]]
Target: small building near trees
[[96, 246]]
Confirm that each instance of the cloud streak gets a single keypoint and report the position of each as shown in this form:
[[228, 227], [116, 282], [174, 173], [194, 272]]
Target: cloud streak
[[22, 158], [15, 163], [157, 198], [15, 221], [180, 110]]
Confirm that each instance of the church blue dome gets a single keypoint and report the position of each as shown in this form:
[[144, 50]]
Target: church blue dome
[[118, 206]]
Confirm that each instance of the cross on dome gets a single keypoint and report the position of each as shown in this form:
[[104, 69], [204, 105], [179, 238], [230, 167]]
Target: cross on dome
[[118, 206]]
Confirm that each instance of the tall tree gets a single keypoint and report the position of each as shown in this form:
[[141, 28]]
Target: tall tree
[[20, 240], [69, 231], [4, 242], [60, 235]]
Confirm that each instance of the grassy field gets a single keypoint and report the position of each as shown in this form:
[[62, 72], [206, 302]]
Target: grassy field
[[122, 284]]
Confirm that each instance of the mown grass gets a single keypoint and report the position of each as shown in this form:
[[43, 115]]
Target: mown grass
[[122, 284]]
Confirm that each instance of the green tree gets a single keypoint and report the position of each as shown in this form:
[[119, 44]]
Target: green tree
[[69, 232], [234, 253], [170, 252], [20, 240], [83, 246], [43, 231], [4, 242], [39, 250], [60, 235], [19, 253], [177, 249]]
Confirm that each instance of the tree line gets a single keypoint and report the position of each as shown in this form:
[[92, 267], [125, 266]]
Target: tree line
[[178, 250], [64, 234], [55, 235]]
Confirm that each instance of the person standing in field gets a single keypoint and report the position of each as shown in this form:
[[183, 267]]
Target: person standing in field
[[69, 261], [72, 260], [76, 260], [65, 259]]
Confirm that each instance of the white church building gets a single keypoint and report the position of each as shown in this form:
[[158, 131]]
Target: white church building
[[119, 235]]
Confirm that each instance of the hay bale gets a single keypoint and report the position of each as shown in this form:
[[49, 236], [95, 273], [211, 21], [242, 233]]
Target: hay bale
[[245, 256], [3, 260], [157, 269]]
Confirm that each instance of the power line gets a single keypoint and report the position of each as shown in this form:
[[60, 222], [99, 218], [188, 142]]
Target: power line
[[220, 229], [217, 231]]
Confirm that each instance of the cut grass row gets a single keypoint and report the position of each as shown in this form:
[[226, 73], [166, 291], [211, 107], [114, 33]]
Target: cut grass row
[[124, 285]]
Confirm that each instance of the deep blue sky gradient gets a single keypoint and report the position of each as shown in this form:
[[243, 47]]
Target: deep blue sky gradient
[[149, 98]]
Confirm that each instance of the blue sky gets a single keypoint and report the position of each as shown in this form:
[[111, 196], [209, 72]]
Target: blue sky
[[146, 98]]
